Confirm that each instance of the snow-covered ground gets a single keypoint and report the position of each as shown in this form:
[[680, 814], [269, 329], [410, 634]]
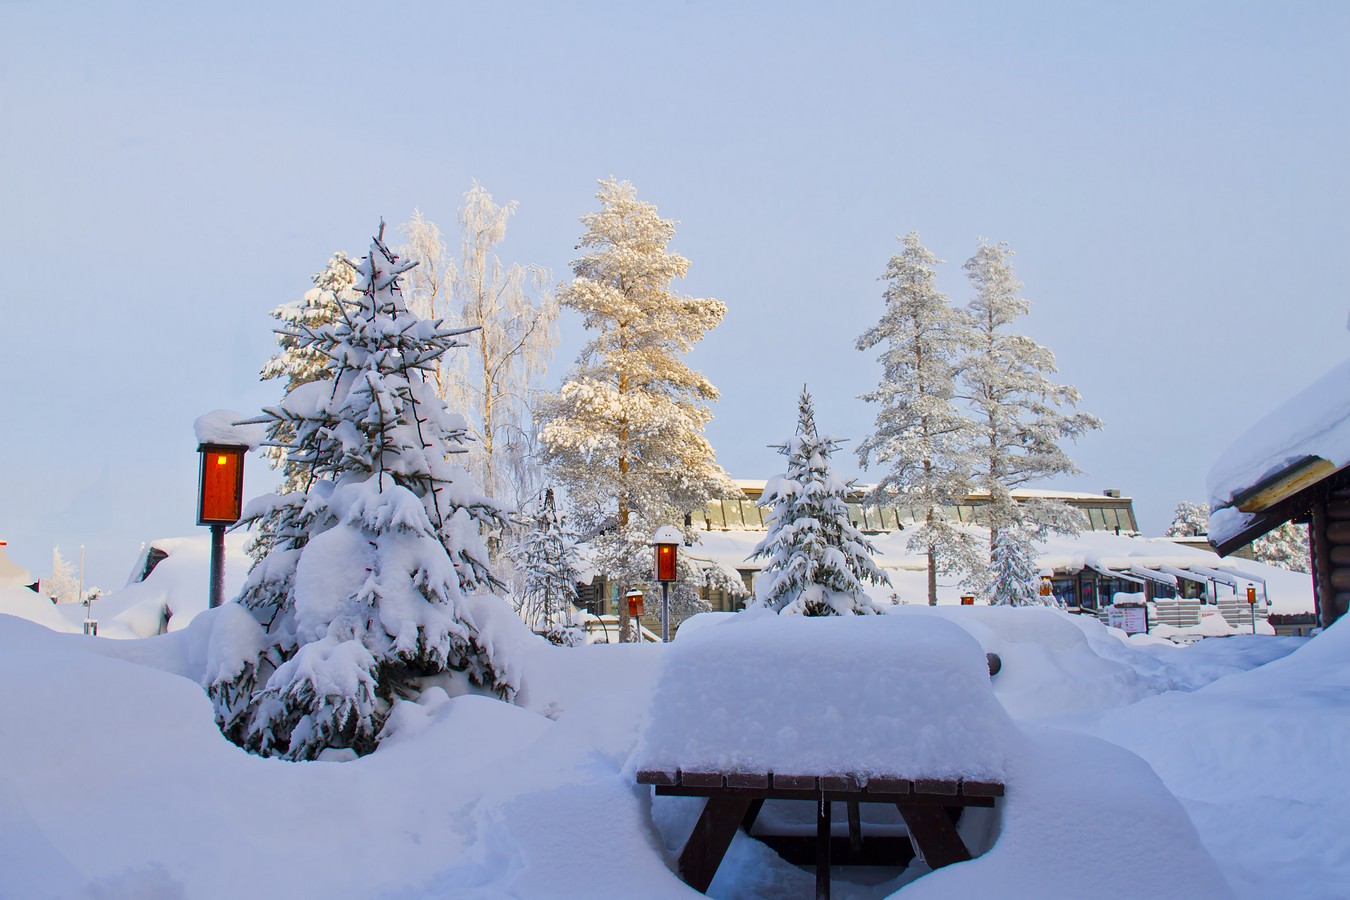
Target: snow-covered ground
[[1137, 768]]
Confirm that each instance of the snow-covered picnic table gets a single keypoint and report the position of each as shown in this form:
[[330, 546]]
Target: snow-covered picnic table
[[858, 710]]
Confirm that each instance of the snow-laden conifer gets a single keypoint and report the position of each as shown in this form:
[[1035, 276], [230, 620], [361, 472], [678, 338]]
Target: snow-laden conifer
[[1021, 415], [358, 593], [548, 561], [1285, 546], [1190, 519], [63, 585], [298, 361], [920, 436], [624, 434], [1013, 571], [816, 559]]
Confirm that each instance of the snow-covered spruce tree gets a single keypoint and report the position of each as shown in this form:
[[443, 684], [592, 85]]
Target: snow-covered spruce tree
[[1020, 413], [63, 586], [624, 434], [1013, 571], [358, 594], [923, 440], [548, 561], [495, 379], [1286, 547], [297, 360], [1189, 520], [817, 560]]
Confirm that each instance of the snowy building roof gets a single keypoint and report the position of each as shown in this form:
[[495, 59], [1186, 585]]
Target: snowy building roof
[[1303, 442]]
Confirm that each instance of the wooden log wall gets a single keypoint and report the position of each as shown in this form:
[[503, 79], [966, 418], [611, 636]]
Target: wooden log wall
[[1329, 545]]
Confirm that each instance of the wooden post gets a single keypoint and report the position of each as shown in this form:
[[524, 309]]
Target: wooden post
[[703, 852], [932, 829], [822, 848]]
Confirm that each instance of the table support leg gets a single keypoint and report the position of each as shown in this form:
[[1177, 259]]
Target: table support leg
[[712, 835], [822, 849], [931, 827]]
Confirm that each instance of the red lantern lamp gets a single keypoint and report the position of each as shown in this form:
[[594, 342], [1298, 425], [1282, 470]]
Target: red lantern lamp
[[220, 493], [667, 543], [634, 599]]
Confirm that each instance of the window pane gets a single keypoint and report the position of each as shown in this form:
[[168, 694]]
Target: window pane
[[715, 517], [732, 510], [1098, 520]]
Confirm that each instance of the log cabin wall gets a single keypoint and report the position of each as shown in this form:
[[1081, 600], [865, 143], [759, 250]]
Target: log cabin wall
[[1330, 548]]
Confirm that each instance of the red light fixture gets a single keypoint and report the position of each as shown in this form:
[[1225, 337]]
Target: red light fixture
[[220, 494]]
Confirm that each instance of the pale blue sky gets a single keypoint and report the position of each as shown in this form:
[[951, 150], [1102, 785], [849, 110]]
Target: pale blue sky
[[1172, 176]]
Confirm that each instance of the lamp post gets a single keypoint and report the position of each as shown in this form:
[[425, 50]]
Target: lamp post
[[667, 543], [220, 502], [634, 598]]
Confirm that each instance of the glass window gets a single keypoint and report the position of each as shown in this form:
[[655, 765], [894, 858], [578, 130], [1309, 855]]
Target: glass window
[[1127, 522], [1098, 520], [752, 514], [714, 513], [871, 518], [732, 510], [855, 515]]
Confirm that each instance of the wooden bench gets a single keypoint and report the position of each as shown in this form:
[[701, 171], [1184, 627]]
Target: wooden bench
[[929, 807]]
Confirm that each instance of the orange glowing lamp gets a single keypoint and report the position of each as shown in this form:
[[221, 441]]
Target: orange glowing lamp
[[634, 599], [667, 543], [1251, 594], [220, 490]]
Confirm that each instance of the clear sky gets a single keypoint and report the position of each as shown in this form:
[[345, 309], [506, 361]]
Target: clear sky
[[1172, 176]]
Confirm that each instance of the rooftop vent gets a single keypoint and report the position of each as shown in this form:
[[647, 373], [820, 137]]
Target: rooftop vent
[[1112, 492]]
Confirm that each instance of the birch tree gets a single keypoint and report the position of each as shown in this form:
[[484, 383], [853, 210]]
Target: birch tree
[[1022, 416], [923, 440], [494, 382], [624, 434]]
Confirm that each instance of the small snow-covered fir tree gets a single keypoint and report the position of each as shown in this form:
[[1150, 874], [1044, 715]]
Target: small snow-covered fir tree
[[63, 585], [548, 560], [1022, 416], [920, 436], [1013, 572], [358, 592], [817, 560], [1189, 520], [624, 434], [1285, 546], [298, 361]]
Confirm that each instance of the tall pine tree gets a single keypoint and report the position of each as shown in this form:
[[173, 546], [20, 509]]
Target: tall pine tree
[[817, 560], [358, 594], [921, 437], [1022, 416], [624, 435]]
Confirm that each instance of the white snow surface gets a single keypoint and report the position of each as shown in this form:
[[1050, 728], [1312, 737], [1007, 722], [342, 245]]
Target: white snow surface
[[220, 427], [471, 797], [762, 692], [1314, 422]]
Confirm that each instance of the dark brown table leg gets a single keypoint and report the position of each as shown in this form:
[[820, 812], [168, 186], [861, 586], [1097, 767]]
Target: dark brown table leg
[[932, 829], [711, 837], [822, 849], [854, 826], [751, 815]]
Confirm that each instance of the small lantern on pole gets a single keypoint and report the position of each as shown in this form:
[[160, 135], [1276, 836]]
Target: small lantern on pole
[[222, 444], [634, 598], [1251, 600], [967, 599], [667, 543]]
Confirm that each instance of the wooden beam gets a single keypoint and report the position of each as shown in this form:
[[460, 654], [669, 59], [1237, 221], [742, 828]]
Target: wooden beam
[[708, 843], [932, 829], [822, 849]]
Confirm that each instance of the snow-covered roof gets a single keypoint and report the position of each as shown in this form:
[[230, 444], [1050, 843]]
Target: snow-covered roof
[[756, 485], [1289, 593], [1298, 444]]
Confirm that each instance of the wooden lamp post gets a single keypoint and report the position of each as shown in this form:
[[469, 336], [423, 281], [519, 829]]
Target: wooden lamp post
[[220, 502], [667, 543]]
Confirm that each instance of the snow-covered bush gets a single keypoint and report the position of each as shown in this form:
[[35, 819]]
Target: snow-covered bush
[[358, 591], [817, 559], [548, 560]]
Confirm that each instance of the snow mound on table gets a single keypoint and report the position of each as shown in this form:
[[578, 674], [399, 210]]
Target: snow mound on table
[[865, 695]]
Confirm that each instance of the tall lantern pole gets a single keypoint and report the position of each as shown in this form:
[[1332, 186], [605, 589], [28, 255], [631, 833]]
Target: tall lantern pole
[[667, 543]]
